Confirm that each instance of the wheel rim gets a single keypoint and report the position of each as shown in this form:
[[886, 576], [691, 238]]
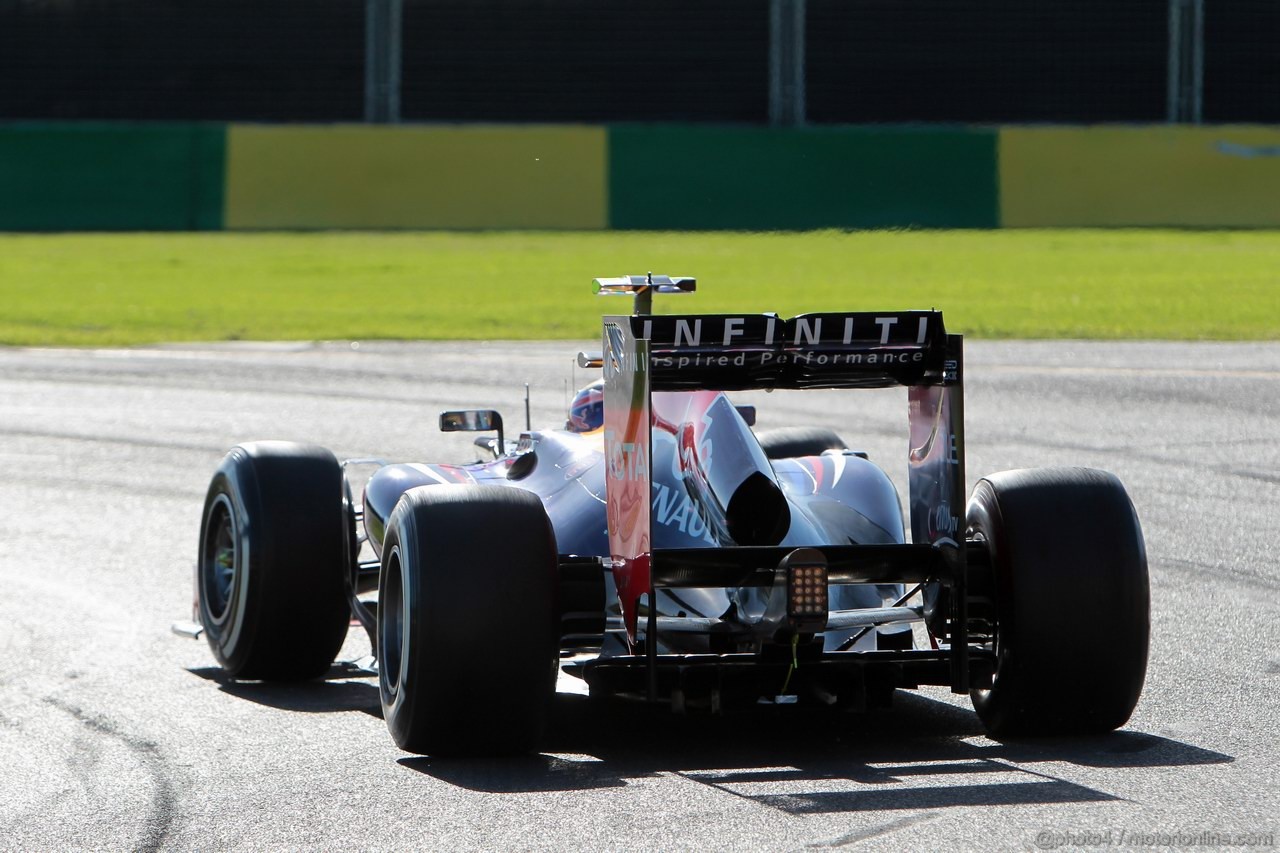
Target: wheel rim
[[220, 558], [391, 626], [994, 645]]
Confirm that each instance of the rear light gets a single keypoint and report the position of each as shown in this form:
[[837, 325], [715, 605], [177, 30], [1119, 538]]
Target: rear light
[[806, 570]]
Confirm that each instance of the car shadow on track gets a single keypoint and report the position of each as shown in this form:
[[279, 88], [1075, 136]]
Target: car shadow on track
[[337, 692], [921, 754]]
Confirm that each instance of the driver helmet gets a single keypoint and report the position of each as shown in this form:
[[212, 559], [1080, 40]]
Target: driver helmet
[[586, 412]]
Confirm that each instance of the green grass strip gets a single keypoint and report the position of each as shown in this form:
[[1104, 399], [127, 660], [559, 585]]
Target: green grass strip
[[101, 289]]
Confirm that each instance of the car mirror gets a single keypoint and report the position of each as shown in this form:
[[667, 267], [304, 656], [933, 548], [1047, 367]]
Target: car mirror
[[473, 420], [748, 414], [470, 420]]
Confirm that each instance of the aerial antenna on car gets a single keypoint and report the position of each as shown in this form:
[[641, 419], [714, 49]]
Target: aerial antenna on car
[[643, 287]]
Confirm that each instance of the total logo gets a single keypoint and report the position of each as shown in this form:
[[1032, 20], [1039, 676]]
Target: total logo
[[942, 522], [627, 460]]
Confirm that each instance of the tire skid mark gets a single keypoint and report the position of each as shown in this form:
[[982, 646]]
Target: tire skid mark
[[276, 390], [159, 823], [1260, 476], [127, 441], [1200, 571], [1193, 373], [858, 836], [99, 484], [1187, 462]]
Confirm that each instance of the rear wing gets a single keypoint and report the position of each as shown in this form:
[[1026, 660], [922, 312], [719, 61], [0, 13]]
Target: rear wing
[[722, 352], [728, 352]]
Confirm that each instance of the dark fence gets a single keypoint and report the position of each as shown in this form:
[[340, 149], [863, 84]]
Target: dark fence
[[962, 61], [987, 60], [586, 60], [1242, 61], [249, 60]]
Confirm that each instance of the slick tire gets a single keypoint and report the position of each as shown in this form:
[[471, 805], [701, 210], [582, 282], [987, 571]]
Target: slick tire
[[272, 562], [468, 628], [1069, 570], [793, 442]]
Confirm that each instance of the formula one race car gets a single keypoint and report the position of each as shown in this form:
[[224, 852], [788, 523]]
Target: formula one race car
[[659, 549]]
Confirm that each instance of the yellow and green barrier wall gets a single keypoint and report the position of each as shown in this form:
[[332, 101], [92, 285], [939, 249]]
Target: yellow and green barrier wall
[[89, 176]]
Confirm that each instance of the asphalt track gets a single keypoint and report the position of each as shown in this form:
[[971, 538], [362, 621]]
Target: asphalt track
[[115, 734]]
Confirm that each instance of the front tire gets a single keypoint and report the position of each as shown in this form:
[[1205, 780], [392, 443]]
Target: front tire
[[468, 627], [1072, 601], [272, 561]]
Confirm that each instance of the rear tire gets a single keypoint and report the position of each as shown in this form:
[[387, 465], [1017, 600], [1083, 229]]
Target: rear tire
[[1072, 601], [468, 628], [793, 442], [272, 562]]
